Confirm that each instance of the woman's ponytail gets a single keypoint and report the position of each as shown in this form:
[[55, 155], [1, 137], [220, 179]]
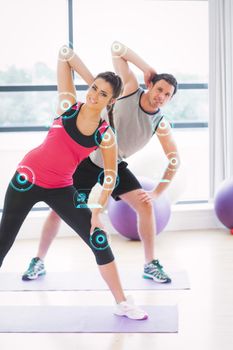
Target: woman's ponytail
[[110, 116]]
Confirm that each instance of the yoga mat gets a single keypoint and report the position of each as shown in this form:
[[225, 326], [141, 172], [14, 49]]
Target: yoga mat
[[76, 280], [84, 319]]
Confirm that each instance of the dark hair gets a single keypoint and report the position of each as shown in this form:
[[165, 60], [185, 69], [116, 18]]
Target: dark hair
[[169, 78], [116, 83]]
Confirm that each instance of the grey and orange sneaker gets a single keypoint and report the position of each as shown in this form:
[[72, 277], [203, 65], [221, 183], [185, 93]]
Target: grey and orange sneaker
[[35, 269], [153, 270]]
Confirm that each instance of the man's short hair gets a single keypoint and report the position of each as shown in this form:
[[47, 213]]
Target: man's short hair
[[169, 78]]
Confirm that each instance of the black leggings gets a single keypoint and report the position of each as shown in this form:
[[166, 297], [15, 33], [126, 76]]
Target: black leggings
[[18, 203]]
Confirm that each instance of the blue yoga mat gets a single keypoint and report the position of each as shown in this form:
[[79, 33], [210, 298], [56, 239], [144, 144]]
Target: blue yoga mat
[[77, 280], [84, 319]]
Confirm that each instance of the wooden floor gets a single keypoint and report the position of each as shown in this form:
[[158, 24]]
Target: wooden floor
[[205, 311]]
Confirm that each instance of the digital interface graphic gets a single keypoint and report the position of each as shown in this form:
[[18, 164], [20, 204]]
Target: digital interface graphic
[[24, 179]]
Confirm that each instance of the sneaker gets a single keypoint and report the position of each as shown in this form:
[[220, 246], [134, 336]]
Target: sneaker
[[35, 269], [128, 309], [154, 270]]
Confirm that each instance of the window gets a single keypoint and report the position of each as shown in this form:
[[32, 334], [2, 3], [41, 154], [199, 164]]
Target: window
[[170, 35], [33, 33]]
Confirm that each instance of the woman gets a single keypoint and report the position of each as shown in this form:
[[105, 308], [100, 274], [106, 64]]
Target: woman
[[45, 173]]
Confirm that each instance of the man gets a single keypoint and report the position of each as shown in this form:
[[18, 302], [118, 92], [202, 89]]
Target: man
[[136, 116]]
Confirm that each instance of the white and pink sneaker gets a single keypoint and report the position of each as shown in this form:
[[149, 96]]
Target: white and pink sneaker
[[129, 309]]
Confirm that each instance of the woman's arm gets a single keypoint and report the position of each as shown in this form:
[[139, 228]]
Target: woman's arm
[[69, 61], [108, 149]]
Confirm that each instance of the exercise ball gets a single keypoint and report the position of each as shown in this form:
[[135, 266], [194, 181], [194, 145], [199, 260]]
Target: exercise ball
[[223, 203], [123, 218]]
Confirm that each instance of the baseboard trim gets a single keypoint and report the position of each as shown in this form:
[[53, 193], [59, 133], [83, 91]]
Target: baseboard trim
[[183, 217], [193, 217]]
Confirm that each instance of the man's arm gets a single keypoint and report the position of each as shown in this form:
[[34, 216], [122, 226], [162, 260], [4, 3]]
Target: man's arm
[[164, 134], [121, 56], [108, 149]]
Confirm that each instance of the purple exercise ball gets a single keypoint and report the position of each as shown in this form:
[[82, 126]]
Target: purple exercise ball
[[123, 217], [223, 203]]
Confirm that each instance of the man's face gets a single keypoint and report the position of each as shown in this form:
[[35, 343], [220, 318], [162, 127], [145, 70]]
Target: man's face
[[160, 93]]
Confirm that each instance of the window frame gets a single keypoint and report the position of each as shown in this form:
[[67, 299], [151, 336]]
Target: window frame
[[38, 88]]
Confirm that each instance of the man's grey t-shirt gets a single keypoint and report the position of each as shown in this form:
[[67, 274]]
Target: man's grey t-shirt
[[134, 126]]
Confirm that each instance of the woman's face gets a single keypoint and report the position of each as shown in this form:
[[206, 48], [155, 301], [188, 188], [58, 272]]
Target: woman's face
[[99, 94]]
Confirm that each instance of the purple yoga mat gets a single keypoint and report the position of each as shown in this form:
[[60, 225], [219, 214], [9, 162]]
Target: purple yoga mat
[[77, 280], [84, 319]]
